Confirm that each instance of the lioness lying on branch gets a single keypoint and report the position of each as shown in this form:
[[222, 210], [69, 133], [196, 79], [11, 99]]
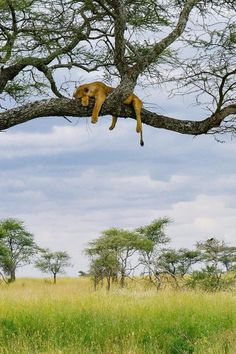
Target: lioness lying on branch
[[99, 91]]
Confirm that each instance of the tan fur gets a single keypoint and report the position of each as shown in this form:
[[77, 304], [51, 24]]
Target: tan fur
[[99, 91]]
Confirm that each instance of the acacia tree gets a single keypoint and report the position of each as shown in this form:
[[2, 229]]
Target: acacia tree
[[176, 263], [155, 234], [186, 44], [212, 251], [53, 262], [113, 251], [215, 255], [17, 246], [107, 266], [228, 258]]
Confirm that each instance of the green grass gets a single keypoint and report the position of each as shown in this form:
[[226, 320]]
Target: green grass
[[38, 317]]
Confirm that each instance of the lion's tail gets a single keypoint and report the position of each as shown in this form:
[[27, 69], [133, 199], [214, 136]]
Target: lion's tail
[[141, 138]]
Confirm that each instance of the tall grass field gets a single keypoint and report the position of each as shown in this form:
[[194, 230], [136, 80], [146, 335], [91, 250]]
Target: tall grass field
[[69, 317]]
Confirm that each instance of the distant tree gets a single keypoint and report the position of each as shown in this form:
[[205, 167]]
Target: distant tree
[[122, 244], [17, 246], [185, 259], [53, 262], [176, 263], [211, 250], [106, 266], [155, 231], [228, 258], [210, 279], [155, 234], [215, 255]]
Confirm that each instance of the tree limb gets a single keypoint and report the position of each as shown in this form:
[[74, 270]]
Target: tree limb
[[61, 107], [119, 30], [144, 62]]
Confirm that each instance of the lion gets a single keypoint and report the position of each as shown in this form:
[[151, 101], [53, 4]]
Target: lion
[[99, 91]]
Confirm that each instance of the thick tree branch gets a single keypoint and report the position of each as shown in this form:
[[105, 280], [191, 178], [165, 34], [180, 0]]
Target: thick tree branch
[[67, 107], [144, 62], [119, 30]]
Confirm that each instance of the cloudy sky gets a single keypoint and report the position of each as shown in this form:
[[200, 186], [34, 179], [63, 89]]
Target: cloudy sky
[[68, 182]]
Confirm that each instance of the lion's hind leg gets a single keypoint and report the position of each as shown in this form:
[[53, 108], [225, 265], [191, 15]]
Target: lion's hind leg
[[137, 104]]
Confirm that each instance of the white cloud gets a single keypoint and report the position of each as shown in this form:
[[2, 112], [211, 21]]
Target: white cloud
[[202, 217], [64, 139], [60, 139]]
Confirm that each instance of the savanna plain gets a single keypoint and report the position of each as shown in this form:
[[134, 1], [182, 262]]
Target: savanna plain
[[70, 317]]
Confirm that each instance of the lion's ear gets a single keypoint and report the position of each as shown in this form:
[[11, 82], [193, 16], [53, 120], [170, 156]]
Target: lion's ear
[[86, 89]]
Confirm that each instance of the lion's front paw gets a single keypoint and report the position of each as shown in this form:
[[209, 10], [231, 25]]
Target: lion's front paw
[[85, 101]]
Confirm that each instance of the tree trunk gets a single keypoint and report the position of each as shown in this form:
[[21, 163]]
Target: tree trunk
[[12, 275], [122, 279], [150, 276], [54, 278], [157, 280], [108, 283]]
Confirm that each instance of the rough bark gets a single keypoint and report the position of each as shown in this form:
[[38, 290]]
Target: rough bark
[[12, 275], [62, 107], [122, 278]]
